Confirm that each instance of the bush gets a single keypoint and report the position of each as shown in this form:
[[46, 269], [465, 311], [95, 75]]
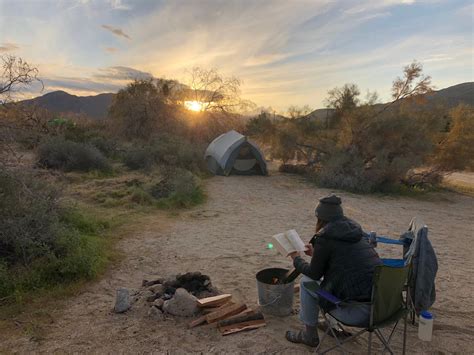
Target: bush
[[185, 190], [58, 153], [300, 169], [138, 159], [166, 151], [345, 172], [29, 214], [456, 150], [43, 245], [105, 145]]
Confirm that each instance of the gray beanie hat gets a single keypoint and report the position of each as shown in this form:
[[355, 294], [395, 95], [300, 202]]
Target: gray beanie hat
[[329, 208]]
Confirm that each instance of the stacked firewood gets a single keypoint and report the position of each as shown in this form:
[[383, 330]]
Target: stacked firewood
[[229, 317]]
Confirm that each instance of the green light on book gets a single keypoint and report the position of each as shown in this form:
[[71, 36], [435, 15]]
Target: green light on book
[[269, 246]]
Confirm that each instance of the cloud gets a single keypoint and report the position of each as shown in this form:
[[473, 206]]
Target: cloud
[[286, 52], [119, 5], [116, 31], [111, 49], [79, 85], [110, 79], [8, 47], [122, 73]]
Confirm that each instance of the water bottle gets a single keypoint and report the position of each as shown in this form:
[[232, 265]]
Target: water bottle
[[425, 326]]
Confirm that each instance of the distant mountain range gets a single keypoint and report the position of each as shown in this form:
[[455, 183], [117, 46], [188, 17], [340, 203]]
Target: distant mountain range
[[97, 106], [449, 97]]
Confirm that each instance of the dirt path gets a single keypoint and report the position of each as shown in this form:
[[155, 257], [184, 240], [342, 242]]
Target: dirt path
[[226, 238]]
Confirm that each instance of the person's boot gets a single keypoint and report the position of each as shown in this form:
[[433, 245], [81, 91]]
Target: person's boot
[[308, 336]]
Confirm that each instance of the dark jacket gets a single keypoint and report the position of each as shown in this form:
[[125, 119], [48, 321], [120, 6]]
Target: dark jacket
[[344, 259], [425, 267]]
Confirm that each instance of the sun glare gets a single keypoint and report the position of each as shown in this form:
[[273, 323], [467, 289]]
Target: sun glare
[[194, 105]]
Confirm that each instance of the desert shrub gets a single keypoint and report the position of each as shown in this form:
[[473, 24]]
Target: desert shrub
[[300, 169], [456, 150], [42, 244], [179, 189], [423, 178], [162, 189], [29, 214], [141, 197], [57, 153], [138, 159], [178, 152], [166, 151], [106, 146], [345, 172]]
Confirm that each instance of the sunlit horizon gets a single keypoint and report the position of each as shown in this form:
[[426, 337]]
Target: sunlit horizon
[[196, 106]]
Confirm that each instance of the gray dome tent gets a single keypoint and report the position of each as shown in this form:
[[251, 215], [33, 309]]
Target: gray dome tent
[[231, 152]]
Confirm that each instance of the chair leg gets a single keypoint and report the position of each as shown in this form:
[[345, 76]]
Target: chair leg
[[392, 332], [340, 343], [330, 330], [369, 351], [384, 342], [404, 334]]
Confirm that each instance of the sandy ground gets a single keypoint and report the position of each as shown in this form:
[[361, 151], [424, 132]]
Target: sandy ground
[[226, 238], [463, 180]]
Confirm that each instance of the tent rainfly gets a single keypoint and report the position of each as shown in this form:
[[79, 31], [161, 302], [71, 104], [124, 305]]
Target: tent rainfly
[[232, 153]]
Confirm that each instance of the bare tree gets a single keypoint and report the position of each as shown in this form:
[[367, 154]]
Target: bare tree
[[406, 86], [413, 84], [215, 92], [299, 111], [16, 74]]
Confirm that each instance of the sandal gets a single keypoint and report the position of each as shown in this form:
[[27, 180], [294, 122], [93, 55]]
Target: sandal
[[302, 338]]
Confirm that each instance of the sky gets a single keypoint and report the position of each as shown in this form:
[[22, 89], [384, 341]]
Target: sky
[[288, 52]]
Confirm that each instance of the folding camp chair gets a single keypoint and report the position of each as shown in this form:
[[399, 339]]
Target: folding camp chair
[[387, 307], [409, 241]]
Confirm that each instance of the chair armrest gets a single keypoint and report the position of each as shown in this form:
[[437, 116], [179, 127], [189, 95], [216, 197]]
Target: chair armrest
[[386, 240], [329, 297]]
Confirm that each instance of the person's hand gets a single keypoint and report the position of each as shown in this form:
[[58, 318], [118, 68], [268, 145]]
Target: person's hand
[[294, 255], [309, 250]]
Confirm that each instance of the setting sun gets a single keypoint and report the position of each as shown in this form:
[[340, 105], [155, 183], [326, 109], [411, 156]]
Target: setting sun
[[194, 105]]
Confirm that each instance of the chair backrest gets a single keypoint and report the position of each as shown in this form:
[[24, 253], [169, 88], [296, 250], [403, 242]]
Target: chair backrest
[[387, 292], [415, 229]]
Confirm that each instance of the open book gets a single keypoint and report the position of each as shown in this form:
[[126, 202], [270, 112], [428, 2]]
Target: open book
[[289, 242]]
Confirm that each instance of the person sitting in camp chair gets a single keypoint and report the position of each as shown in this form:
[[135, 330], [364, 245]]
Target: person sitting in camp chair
[[345, 262]]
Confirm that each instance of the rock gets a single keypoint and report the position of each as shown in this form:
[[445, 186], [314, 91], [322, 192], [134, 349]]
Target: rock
[[172, 284], [157, 289], [122, 300], [155, 313], [146, 283], [159, 303], [170, 290], [152, 297], [182, 304]]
